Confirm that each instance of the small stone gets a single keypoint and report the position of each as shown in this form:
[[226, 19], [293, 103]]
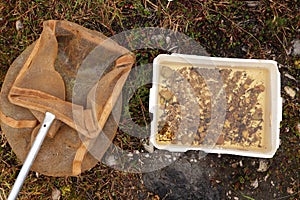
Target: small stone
[[136, 151], [234, 165], [241, 163], [252, 4], [168, 40], [287, 129], [149, 148], [19, 25], [166, 94], [235, 198], [201, 129], [254, 184], [111, 161], [296, 47], [56, 194], [290, 91], [130, 154], [245, 48], [263, 166], [290, 190], [245, 134], [298, 128], [168, 156], [220, 140]]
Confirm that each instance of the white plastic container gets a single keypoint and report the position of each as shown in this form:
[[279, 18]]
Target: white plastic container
[[263, 72]]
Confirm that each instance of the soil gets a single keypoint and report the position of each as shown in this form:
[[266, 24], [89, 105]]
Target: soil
[[241, 29]]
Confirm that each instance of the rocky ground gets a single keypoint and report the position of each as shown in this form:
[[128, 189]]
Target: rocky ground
[[241, 29]]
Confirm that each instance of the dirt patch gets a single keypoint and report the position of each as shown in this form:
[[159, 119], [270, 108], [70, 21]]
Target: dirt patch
[[183, 179]]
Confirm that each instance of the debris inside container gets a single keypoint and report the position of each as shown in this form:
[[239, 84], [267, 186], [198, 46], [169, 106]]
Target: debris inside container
[[245, 95]]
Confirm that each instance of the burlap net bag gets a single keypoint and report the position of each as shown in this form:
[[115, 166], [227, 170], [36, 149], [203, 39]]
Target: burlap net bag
[[42, 78]]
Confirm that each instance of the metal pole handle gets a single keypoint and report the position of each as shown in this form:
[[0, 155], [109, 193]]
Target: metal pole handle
[[48, 120]]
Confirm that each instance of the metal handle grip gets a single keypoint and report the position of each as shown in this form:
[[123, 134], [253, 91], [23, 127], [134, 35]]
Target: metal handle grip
[[48, 120]]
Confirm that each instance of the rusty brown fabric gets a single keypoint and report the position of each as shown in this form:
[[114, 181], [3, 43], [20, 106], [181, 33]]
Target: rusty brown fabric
[[42, 78]]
